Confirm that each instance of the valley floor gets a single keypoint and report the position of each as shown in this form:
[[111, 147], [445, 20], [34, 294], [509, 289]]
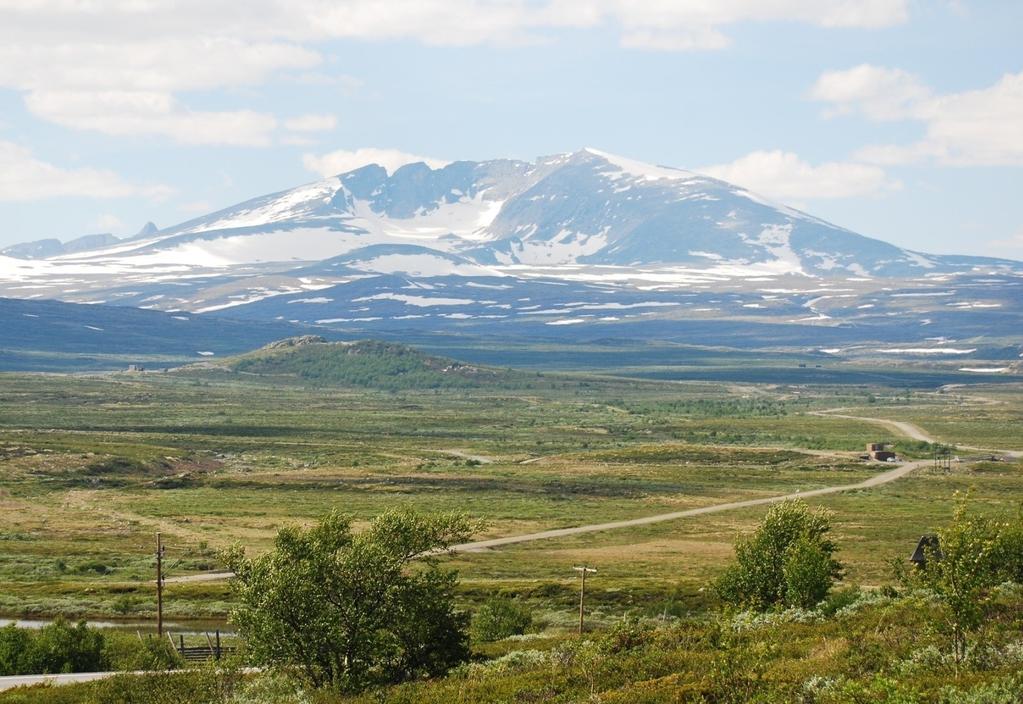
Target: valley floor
[[93, 466]]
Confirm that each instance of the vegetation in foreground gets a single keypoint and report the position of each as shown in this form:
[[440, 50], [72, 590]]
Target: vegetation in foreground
[[100, 463], [346, 611], [945, 634]]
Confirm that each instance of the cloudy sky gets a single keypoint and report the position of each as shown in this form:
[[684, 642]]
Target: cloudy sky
[[900, 119]]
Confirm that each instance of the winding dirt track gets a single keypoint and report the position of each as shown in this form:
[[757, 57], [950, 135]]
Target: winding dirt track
[[876, 480], [899, 426], [903, 428]]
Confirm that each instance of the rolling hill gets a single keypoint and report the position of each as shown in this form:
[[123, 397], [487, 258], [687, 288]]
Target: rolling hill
[[365, 363]]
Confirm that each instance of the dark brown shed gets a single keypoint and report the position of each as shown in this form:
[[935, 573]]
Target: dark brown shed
[[928, 546]]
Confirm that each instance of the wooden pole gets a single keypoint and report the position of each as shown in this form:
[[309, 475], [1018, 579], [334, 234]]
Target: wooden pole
[[582, 600], [582, 594], [159, 586]]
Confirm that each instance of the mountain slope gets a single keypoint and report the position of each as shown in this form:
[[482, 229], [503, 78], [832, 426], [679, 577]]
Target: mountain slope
[[41, 249], [584, 208], [554, 247], [56, 335]]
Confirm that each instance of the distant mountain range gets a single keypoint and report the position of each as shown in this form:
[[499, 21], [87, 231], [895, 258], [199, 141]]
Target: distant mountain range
[[587, 240]]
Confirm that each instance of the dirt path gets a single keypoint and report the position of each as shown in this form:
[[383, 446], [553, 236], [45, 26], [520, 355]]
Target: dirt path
[[899, 426], [904, 428], [915, 432], [874, 481]]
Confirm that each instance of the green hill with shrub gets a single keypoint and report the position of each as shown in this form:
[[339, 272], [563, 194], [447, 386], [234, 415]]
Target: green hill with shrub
[[366, 363]]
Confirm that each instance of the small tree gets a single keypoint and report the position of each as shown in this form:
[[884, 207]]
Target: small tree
[[351, 610], [788, 560], [963, 574]]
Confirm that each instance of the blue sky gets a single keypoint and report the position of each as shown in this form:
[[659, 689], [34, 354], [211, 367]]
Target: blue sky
[[900, 119]]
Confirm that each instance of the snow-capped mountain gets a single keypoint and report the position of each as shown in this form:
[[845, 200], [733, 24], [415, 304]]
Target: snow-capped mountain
[[52, 247], [587, 207], [493, 241]]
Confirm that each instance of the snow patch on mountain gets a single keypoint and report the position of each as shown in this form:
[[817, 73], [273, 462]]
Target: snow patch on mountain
[[466, 219], [302, 201], [421, 301], [646, 172], [564, 248]]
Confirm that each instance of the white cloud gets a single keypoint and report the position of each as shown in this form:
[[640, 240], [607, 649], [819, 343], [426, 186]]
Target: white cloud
[[784, 176], [127, 85], [69, 58], [880, 93], [23, 177], [348, 84], [688, 25], [196, 207], [972, 128], [311, 123], [1011, 246], [146, 113], [108, 222], [341, 161]]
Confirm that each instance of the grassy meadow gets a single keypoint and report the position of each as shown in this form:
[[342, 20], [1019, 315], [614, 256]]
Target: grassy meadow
[[91, 466]]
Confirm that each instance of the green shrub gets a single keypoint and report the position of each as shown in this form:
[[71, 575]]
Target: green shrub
[[55, 648], [207, 685], [15, 650], [348, 610], [124, 651], [1007, 691], [787, 561], [500, 618], [809, 571], [963, 577]]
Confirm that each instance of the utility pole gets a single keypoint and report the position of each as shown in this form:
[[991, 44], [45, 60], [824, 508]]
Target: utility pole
[[582, 593], [159, 586]]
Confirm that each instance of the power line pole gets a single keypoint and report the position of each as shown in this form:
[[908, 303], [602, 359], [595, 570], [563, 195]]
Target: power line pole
[[582, 593], [159, 586]]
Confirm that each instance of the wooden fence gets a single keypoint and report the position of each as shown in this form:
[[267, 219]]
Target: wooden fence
[[213, 649]]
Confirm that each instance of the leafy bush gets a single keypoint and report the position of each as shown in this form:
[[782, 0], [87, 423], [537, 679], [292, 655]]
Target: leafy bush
[[124, 651], [808, 571], [55, 648], [500, 618], [15, 651], [348, 610], [974, 559], [787, 561], [1004, 692]]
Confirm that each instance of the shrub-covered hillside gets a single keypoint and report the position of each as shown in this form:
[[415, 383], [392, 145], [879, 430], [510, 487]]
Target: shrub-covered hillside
[[369, 363]]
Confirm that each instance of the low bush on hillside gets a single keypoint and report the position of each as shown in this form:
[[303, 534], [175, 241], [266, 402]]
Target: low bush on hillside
[[500, 618], [787, 561], [57, 647], [62, 647], [370, 364]]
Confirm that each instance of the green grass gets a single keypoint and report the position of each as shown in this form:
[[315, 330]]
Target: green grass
[[91, 466]]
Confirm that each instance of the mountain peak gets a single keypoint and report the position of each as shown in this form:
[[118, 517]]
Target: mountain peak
[[646, 171], [588, 215], [148, 229]]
